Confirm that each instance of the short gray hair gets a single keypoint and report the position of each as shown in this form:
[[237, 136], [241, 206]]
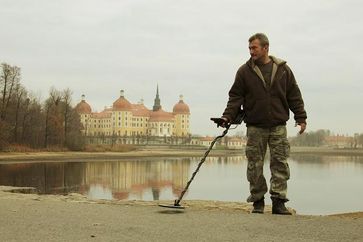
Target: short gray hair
[[261, 37]]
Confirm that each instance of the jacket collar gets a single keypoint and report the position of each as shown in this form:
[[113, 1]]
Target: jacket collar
[[276, 63]]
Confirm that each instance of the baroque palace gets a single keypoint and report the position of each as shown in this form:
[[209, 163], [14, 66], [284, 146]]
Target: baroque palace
[[129, 120]]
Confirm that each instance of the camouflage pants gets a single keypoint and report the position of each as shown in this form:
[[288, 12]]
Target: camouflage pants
[[257, 141]]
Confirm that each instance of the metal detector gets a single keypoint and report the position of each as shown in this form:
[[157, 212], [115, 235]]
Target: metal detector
[[219, 122]]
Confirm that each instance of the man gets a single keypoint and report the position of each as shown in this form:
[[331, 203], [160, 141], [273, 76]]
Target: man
[[266, 89]]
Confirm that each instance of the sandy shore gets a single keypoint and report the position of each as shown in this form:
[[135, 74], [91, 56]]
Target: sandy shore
[[31, 217]]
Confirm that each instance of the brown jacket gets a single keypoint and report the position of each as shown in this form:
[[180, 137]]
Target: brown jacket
[[265, 107]]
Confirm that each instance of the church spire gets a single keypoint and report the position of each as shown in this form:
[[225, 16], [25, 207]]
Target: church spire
[[157, 105]]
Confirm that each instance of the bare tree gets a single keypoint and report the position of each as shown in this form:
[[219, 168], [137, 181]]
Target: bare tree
[[10, 77], [25, 119], [52, 119], [67, 99], [19, 98], [34, 128], [4, 82]]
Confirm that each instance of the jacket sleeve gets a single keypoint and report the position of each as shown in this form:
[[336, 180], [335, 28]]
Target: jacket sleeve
[[294, 98], [236, 98]]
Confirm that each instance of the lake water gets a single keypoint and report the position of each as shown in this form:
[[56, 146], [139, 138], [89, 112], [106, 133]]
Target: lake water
[[318, 184]]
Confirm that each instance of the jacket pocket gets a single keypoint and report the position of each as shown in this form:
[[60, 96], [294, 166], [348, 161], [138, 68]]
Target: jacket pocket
[[280, 112]]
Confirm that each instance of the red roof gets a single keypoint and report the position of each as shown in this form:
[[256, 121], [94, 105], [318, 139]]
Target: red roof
[[140, 110], [160, 116], [104, 114], [207, 138]]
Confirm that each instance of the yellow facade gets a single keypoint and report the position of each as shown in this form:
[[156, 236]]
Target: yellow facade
[[182, 124], [126, 119]]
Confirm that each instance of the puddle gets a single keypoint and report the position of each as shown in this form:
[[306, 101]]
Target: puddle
[[24, 190]]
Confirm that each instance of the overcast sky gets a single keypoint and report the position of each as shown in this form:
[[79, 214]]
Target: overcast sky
[[191, 47]]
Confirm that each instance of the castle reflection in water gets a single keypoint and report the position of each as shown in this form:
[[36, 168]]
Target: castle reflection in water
[[122, 180]]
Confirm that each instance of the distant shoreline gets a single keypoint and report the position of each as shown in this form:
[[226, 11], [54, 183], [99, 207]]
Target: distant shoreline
[[326, 151], [6, 157]]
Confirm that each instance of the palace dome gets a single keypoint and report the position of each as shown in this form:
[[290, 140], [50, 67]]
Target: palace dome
[[83, 107], [181, 107], [122, 104]]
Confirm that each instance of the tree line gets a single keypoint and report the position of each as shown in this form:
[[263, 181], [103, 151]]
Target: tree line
[[318, 138], [312, 138], [26, 120]]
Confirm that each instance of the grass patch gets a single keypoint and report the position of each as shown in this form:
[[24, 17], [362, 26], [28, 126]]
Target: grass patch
[[27, 149], [19, 148], [114, 148]]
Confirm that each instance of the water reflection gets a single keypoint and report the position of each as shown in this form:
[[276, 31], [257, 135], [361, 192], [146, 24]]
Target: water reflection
[[101, 180], [318, 185], [108, 180], [47, 178]]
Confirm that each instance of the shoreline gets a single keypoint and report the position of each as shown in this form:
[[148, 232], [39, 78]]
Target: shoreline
[[29, 193], [6, 157]]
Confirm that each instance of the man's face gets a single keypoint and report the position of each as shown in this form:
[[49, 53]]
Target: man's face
[[257, 52]]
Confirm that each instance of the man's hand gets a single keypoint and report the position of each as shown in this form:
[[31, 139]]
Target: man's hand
[[224, 124], [302, 127]]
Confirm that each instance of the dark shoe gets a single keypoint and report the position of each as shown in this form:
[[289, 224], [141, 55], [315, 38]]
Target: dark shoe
[[278, 207], [258, 206]]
